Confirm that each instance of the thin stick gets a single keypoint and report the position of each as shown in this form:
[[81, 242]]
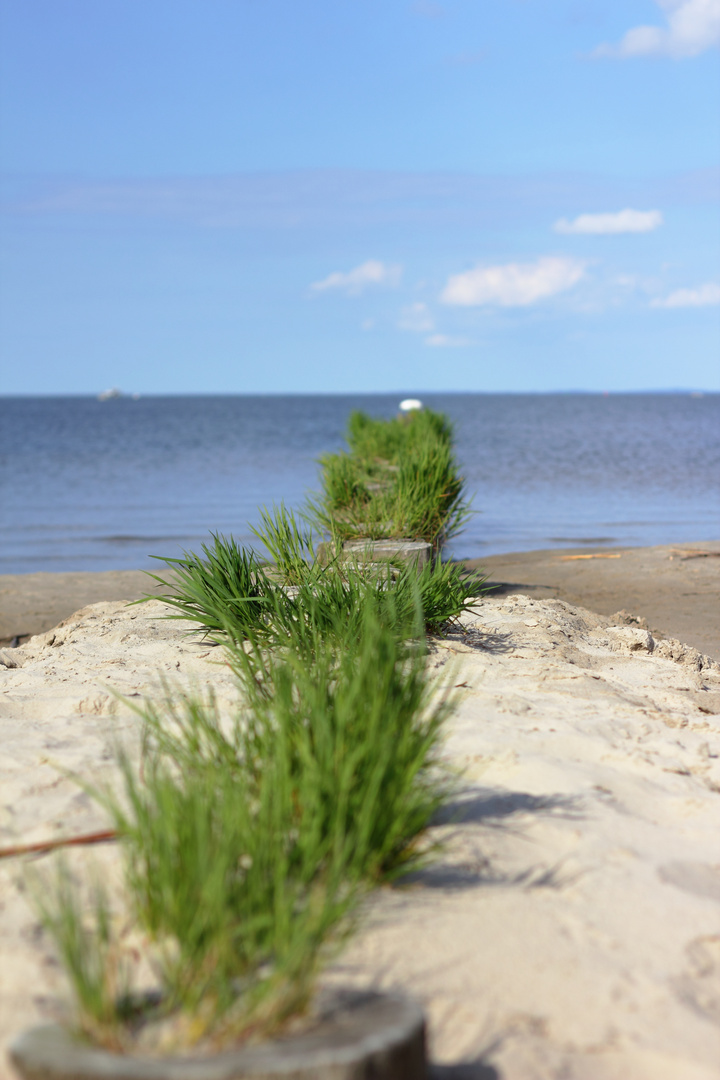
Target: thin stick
[[572, 558], [694, 553], [52, 845]]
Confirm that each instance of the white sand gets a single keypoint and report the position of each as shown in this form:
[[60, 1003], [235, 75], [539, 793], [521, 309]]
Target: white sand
[[570, 931]]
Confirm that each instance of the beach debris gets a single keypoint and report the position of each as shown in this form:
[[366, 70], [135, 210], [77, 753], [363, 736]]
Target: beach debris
[[42, 847], [627, 618], [599, 555], [692, 553], [8, 660]]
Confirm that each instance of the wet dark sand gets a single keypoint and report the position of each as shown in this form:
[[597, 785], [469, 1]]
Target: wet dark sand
[[676, 589], [33, 603]]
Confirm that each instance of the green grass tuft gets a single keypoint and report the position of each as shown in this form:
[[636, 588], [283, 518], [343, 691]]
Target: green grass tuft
[[289, 545], [248, 839], [225, 587], [88, 950], [399, 479]]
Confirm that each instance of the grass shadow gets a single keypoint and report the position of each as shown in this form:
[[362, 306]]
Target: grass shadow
[[471, 1070], [487, 806], [499, 810], [473, 637], [506, 588], [482, 875]]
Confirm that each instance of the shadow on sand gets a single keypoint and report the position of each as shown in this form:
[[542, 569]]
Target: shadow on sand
[[499, 810], [485, 806], [474, 637], [473, 1070]]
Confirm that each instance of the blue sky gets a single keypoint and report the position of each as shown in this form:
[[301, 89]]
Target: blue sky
[[359, 195]]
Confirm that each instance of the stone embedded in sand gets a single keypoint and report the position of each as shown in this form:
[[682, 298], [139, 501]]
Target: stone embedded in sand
[[417, 552], [368, 552], [632, 638]]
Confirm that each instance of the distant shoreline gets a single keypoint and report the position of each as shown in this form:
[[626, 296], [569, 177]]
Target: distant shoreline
[[104, 396]]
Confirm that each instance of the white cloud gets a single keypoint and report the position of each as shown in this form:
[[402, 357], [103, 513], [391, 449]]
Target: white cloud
[[513, 285], [353, 282], [417, 318], [445, 341], [692, 27], [624, 221], [704, 296]]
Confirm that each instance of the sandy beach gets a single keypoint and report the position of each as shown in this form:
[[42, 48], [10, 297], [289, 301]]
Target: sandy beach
[[676, 589], [571, 928]]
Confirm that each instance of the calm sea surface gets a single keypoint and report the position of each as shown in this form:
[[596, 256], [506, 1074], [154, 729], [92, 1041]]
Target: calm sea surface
[[98, 485]]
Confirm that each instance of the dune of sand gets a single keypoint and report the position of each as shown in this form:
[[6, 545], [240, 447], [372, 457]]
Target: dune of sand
[[570, 927]]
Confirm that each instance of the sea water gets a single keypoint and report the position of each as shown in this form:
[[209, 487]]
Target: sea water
[[87, 484]]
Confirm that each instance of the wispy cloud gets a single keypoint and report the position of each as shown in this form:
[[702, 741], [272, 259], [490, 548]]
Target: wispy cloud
[[624, 221], [513, 284], [416, 318], [693, 26], [446, 341], [353, 282], [327, 198], [707, 295]]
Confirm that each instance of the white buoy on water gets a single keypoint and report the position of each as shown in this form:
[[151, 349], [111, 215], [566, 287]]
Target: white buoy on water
[[410, 404]]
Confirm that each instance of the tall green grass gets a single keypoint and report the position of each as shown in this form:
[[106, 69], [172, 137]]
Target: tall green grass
[[233, 884], [407, 601], [88, 948], [247, 840], [399, 478], [289, 544], [373, 438], [210, 591], [227, 584], [355, 702]]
